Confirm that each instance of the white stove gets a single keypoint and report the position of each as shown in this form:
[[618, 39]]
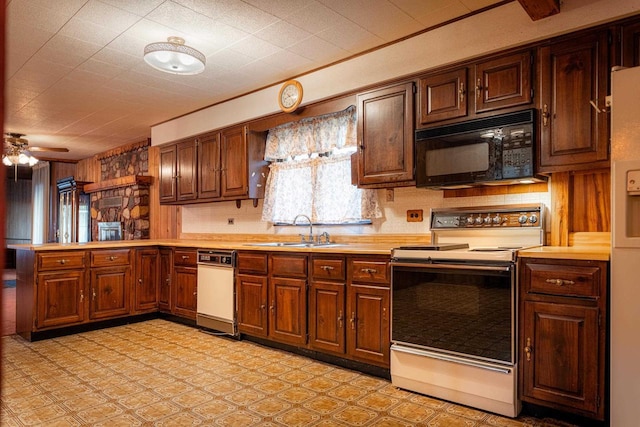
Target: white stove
[[454, 306]]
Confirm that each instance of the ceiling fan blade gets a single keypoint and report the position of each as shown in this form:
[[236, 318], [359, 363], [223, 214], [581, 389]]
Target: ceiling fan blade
[[56, 149]]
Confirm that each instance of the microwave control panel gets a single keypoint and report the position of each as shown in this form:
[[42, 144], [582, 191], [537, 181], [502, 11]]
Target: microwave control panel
[[517, 153]]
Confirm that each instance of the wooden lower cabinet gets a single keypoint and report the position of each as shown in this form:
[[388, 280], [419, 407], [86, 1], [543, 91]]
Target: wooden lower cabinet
[[563, 334], [368, 336], [186, 291], [60, 298], [185, 283], [146, 281], [251, 294], [110, 288], [338, 313]]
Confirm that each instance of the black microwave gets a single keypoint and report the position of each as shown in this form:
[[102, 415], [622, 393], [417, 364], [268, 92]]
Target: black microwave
[[494, 150]]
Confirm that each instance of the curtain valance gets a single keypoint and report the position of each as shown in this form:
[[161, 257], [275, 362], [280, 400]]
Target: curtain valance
[[319, 134]]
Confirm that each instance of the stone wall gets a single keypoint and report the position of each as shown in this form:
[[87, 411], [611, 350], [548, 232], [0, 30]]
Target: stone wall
[[129, 204]]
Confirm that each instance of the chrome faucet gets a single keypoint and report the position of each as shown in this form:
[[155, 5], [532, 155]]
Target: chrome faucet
[[310, 228], [327, 239]]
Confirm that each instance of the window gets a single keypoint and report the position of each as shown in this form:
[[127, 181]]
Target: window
[[311, 172]]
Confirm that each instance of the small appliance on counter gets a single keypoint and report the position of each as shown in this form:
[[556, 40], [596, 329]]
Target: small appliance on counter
[[111, 230]]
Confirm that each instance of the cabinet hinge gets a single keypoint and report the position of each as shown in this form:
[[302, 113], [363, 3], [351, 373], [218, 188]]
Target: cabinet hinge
[[414, 88], [599, 320], [532, 93], [598, 401]]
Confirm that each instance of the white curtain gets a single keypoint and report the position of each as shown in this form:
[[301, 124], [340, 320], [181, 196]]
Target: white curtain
[[40, 184], [311, 173]]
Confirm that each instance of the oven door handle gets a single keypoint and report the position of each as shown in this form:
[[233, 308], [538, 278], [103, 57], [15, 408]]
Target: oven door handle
[[452, 266], [452, 359]]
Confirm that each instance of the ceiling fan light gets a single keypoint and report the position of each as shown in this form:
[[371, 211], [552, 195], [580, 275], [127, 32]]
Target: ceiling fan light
[[174, 57], [6, 161], [23, 159], [32, 161]]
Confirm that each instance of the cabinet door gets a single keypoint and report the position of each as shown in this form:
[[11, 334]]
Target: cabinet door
[[503, 82], [288, 308], [110, 292], [574, 73], [167, 185], [164, 287], [186, 168], [368, 337], [146, 284], [443, 96], [209, 166], [186, 288], [385, 135], [327, 317], [251, 291], [233, 144], [560, 356], [60, 298], [631, 45]]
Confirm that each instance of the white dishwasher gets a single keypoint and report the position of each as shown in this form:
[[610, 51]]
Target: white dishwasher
[[216, 306]]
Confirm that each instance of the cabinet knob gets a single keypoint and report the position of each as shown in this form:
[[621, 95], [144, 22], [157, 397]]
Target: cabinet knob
[[369, 270], [112, 258], [528, 350], [478, 88], [560, 282], [93, 296], [353, 320], [262, 307], [81, 295], [62, 261], [340, 319], [545, 115], [140, 281], [461, 92]]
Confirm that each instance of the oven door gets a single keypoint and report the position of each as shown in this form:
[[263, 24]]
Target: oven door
[[461, 311]]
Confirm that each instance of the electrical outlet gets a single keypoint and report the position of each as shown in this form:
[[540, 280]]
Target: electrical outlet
[[414, 215], [230, 221]]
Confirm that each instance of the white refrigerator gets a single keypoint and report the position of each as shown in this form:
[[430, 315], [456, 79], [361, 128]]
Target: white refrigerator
[[625, 255]]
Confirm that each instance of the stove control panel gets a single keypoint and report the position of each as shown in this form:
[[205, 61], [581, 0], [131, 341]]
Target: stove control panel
[[499, 217]]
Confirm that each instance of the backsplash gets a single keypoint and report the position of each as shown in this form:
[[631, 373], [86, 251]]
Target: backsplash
[[214, 217]]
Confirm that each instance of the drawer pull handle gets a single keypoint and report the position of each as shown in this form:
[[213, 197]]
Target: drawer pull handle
[[62, 261], [353, 320], [478, 88], [545, 115], [340, 320], [140, 281], [112, 258], [461, 92], [560, 282], [81, 295], [185, 257], [327, 267], [93, 296], [369, 270], [528, 350]]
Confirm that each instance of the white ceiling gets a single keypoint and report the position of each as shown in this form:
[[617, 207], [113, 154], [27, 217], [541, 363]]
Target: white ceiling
[[75, 76]]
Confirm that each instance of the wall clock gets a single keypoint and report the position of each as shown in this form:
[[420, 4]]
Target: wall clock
[[290, 96]]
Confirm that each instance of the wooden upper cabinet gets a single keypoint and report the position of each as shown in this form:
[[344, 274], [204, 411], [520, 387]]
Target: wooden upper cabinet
[[234, 162], [476, 88], [631, 44], [503, 82], [167, 186], [186, 168], [443, 96], [209, 166], [221, 165], [573, 75], [385, 136]]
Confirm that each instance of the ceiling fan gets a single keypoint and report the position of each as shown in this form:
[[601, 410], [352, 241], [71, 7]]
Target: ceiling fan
[[17, 150]]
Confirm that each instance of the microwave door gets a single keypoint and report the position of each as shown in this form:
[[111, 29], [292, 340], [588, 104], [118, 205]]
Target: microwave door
[[447, 161]]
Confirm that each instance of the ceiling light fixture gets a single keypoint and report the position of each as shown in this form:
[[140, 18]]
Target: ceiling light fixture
[[174, 57]]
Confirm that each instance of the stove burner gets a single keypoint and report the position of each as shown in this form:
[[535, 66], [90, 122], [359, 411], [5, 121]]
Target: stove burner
[[437, 247]]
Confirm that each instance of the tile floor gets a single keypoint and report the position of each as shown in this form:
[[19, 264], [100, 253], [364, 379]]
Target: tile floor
[[167, 374]]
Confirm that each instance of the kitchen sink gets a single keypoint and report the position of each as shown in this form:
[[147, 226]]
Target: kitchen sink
[[295, 244]]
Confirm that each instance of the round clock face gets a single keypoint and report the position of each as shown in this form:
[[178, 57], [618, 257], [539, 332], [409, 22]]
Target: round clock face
[[290, 96]]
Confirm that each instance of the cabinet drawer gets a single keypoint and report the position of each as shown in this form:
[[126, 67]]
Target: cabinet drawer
[[187, 258], [111, 257], [290, 265], [369, 271], [60, 260], [327, 268], [566, 280], [252, 262]]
